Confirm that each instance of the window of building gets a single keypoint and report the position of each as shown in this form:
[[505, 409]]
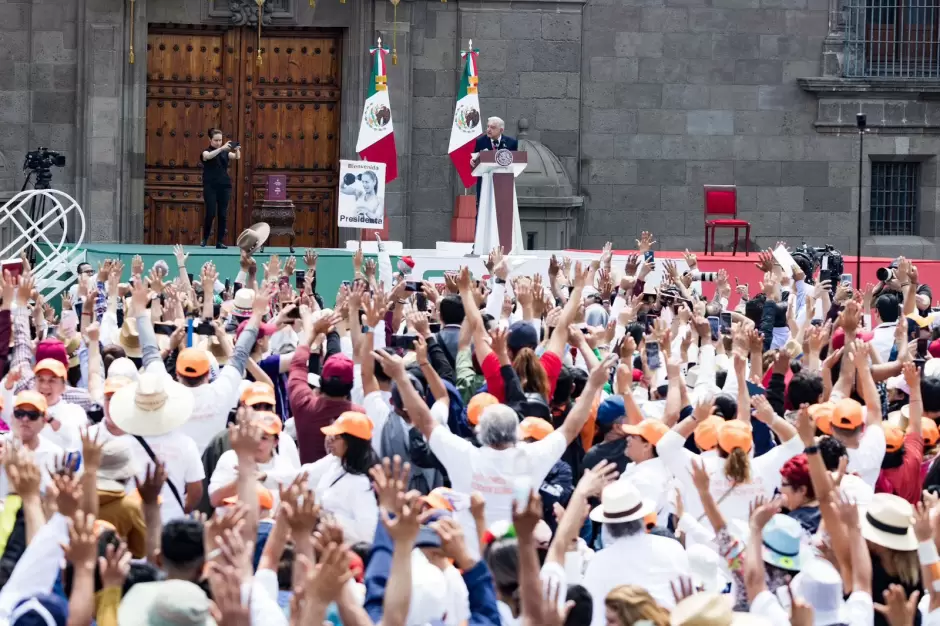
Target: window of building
[[892, 38], [530, 240], [894, 198]]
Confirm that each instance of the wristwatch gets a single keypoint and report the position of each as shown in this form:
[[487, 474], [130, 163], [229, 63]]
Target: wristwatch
[[500, 281], [366, 329], [814, 449]]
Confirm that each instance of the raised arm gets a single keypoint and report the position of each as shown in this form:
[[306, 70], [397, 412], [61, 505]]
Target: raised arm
[[418, 410], [435, 384], [559, 337], [579, 414], [866, 385]]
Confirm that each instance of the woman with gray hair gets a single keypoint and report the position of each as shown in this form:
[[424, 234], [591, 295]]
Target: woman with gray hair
[[505, 469]]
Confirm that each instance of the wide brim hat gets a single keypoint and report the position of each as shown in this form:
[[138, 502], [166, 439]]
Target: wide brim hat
[[128, 338], [887, 522], [252, 238], [154, 406], [167, 601], [621, 502], [117, 465]]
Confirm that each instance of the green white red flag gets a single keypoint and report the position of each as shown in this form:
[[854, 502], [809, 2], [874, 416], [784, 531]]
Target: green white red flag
[[467, 119], [376, 141]]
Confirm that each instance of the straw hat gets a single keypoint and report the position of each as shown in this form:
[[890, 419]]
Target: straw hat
[[243, 302], [887, 522], [708, 609], [117, 465], [621, 502], [127, 338], [154, 406], [252, 238]]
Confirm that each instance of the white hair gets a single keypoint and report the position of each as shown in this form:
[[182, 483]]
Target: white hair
[[499, 425], [496, 120]]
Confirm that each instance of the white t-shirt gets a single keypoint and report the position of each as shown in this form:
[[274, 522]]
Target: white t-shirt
[[678, 461], [858, 609], [378, 408], [183, 465], [348, 497], [654, 482], [72, 419], [279, 471], [865, 460], [211, 406], [45, 455], [493, 472], [765, 479]]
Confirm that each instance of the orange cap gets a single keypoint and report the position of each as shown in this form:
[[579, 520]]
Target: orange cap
[[651, 430], [53, 366], [351, 423], [894, 438], [735, 434], [114, 383], [265, 499], [930, 431], [649, 520], [536, 428], [192, 363], [847, 414], [31, 398], [258, 393], [822, 415], [706, 433], [268, 422], [477, 404], [440, 499]]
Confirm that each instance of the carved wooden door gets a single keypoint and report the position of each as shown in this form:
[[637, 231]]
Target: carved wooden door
[[285, 113]]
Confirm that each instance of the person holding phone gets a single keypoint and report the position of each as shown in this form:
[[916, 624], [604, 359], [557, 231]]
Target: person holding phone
[[216, 184]]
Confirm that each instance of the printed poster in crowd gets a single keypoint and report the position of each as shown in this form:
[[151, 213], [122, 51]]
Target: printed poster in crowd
[[361, 194]]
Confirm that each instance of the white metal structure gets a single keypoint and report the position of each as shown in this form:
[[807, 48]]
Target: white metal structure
[[45, 236]]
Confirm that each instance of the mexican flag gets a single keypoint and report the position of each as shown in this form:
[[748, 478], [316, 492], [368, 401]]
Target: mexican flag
[[467, 120], [376, 138]]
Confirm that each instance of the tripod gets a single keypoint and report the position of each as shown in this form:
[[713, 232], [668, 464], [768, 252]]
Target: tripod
[[37, 206]]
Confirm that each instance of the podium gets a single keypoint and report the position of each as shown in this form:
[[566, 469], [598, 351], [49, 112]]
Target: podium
[[498, 212], [276, 210]]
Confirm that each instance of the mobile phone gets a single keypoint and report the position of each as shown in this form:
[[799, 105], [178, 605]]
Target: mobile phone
[[347, 284], [237, 286], [919, 363], [755, 390], [846, 279], [715, 323], [648, 256], [216, 310], [421, 301], [14, 266], [228, 283], [650, 320], [205, 328], [294, 314], [234, 144], [190, 274], [405, 342], [299, 277], [725, 322], [922, 343], [162, 328], [434, 327], [653, 360], [412, 286]]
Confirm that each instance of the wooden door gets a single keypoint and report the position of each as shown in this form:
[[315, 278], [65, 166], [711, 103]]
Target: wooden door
[[285, 113]]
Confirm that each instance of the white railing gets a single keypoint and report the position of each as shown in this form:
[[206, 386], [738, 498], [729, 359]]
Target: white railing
[[37, 222]]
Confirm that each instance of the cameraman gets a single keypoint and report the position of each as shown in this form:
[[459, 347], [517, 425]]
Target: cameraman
[[216, 184]]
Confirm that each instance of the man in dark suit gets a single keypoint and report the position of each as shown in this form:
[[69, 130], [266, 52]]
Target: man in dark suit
[[494, 139]]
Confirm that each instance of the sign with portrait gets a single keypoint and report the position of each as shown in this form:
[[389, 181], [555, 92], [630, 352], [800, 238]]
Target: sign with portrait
[[361, 195]]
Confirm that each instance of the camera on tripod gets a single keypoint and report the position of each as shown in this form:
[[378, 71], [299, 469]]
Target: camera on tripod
[[41, 161], [827, 259]]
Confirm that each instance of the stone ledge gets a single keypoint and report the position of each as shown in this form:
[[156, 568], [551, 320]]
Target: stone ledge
[[922, 89], [526, 5]]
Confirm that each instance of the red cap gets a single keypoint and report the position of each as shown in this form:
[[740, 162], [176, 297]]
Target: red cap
[[934, 348], [838, 337], [338, 367], [52, 349], [265, 330], [637, 375]]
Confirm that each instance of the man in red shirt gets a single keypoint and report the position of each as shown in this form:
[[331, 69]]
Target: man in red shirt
[[904, 454]]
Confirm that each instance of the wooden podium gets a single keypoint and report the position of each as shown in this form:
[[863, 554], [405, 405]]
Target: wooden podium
[[276, 209], [498, 213]]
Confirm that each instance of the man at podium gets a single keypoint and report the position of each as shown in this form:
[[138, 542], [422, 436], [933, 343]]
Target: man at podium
[[494, 139]]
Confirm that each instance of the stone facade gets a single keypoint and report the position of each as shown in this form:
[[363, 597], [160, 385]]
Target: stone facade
[[643, 102]]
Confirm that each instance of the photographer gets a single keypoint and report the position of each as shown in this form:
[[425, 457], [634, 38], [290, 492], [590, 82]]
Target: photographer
[[216, 184]]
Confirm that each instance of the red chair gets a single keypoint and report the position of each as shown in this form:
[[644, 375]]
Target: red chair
[[723, 200]]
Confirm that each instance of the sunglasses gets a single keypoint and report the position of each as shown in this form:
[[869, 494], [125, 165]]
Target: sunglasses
[[30, 415]]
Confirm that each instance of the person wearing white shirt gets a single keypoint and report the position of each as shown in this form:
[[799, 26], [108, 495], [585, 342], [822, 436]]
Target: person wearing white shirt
[[29, 411], [64, 420], [648, 473], [859, 428], [273, 469], [502, 467], [889, 310], [631, 556], [678, 460], [152, 410], [341, 479]]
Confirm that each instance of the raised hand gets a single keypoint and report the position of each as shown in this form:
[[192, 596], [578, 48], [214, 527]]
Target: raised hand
[[389, 479], [114, 566], [154, 478]]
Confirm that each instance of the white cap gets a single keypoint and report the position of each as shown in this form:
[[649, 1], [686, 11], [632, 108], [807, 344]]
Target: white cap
[[123, 367]]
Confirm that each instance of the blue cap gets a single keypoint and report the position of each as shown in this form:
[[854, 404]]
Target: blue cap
[[522, 335], [783, 542], [610, 410], [46, 609]]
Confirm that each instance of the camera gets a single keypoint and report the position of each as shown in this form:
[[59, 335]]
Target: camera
[[827, 259], [41, 161], [884, 274]]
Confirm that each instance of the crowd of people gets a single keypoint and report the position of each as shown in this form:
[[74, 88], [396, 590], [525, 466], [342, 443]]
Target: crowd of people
[[581, 448]]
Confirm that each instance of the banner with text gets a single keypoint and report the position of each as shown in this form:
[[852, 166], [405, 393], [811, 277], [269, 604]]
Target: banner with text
[[361, 194]]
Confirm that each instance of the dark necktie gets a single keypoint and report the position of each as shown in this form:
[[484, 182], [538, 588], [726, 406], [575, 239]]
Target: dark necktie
[[495, 143]]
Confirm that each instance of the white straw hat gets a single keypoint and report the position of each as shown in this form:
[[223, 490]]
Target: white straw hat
[[887, 522], [621, 502], [154, 406]]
